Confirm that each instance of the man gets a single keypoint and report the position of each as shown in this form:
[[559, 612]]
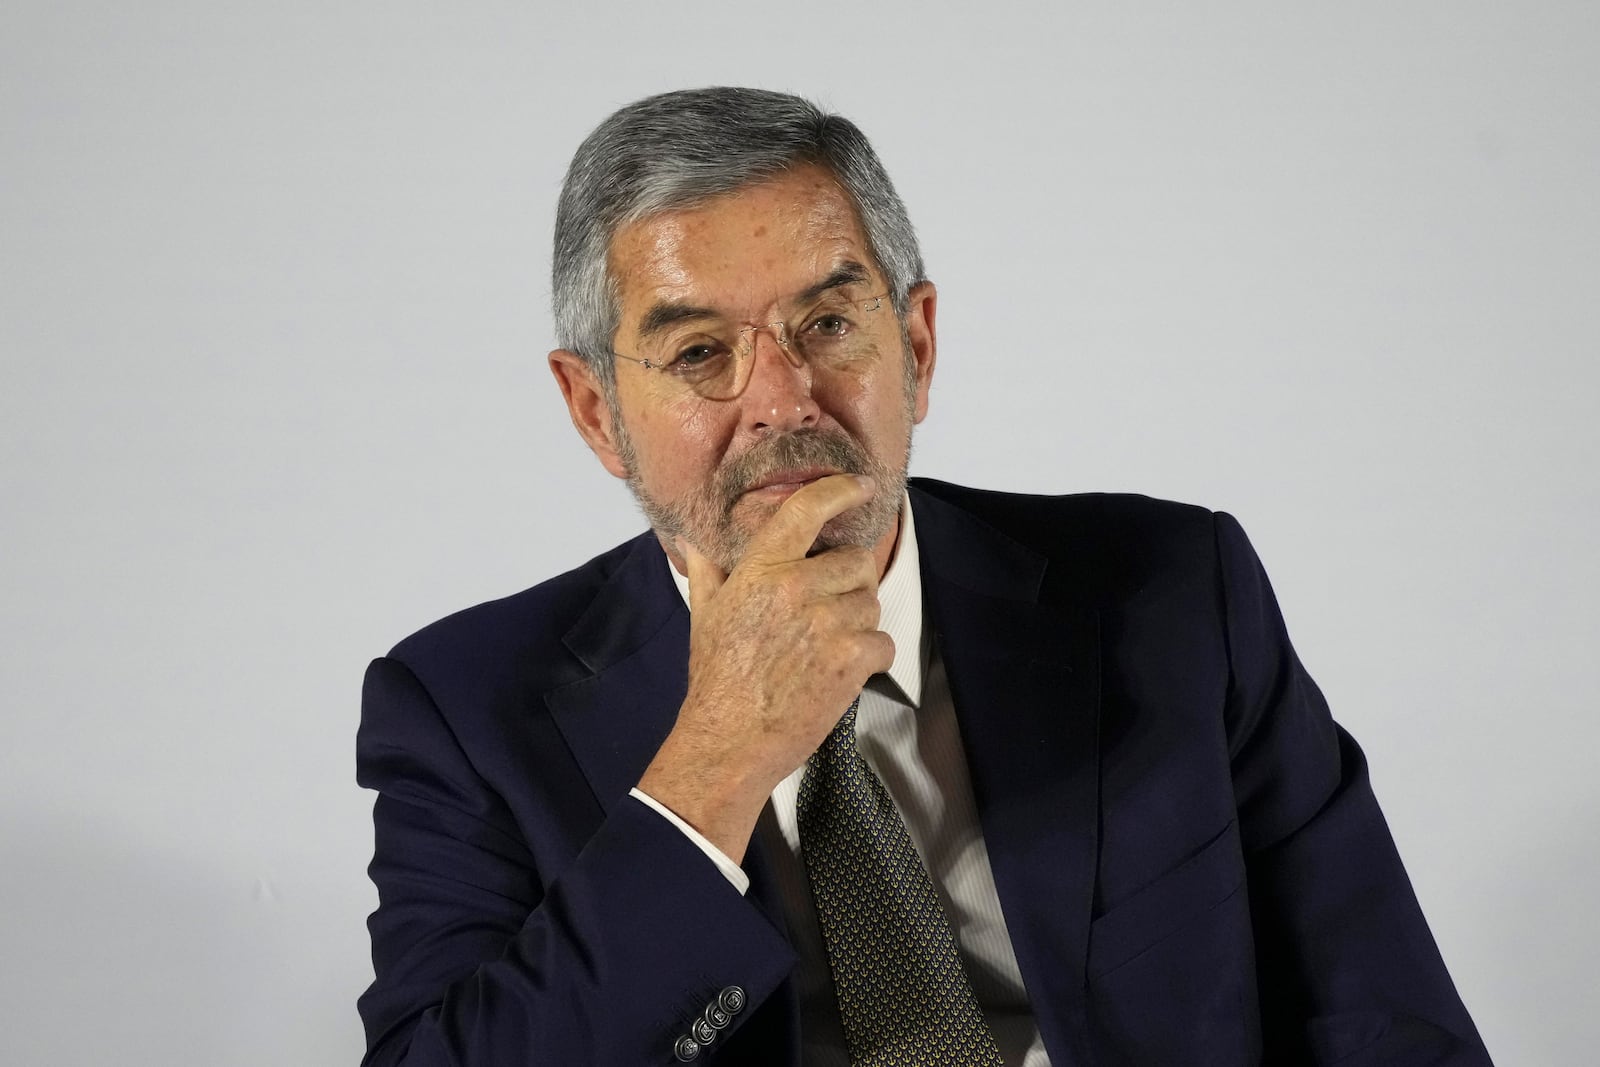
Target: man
[[827, 770]]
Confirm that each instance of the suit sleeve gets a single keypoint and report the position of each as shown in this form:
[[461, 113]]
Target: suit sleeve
[[480, 957], [1348, 971]]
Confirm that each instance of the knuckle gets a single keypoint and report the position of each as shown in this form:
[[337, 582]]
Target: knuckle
[[863, 608], [869, 650]]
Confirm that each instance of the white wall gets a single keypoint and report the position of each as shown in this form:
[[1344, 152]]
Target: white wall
[[273, 312]]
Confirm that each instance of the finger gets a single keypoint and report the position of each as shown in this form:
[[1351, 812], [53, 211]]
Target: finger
[[790, 533], [705, 577], [857, 610], [877, 651], [841, 569]]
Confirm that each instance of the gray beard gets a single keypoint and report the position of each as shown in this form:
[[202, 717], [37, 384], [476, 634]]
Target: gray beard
[[705, 518]]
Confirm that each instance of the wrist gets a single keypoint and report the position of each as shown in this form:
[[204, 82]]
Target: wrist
[[721, 805]]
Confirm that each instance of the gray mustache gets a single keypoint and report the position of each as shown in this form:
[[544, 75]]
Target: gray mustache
[[802, 448]]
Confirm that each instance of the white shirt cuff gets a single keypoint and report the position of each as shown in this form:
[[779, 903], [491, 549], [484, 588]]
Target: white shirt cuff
[[730, 870]]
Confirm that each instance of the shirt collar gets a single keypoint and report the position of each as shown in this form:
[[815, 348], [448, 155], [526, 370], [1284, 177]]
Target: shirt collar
[[900, 601]]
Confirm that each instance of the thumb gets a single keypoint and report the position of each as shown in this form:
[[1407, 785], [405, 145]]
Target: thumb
[[705, 577]]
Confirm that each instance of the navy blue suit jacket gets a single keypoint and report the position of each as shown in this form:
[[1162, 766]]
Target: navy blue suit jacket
[[1186, 848]]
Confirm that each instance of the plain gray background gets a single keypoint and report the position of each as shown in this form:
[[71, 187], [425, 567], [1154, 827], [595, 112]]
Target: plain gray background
[[273, 317]]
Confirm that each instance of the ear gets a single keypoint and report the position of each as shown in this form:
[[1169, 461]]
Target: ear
[[586, 403], [921, 304]]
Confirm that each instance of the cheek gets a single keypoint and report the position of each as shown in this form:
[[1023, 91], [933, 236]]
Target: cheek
[[677, 444], [846, 395], [869, 405], [694, 424]]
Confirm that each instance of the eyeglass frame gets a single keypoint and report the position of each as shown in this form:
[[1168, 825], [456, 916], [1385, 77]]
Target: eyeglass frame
[[781, 336]]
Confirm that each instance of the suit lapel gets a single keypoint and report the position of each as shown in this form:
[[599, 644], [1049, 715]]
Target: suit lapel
[[1024, 678], [634, 638]]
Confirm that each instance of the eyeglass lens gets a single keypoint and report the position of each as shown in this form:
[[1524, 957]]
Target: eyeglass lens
[[716, 364]]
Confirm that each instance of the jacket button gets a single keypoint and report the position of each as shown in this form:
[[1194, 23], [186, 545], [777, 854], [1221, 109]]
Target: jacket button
[[703, 1031], [731, 1000], [686, 1048], [716, 1016]]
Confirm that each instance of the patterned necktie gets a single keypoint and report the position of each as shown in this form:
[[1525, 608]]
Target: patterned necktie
[[903, 995]]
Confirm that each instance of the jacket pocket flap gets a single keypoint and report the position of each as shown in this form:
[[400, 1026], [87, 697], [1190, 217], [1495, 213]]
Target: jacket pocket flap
[[1167, 904]]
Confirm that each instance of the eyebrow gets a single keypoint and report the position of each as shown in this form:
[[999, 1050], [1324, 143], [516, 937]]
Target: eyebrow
[[666, 314], [847, 273]]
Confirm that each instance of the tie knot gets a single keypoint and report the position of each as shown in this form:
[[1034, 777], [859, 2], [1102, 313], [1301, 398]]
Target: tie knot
[[838, 749]]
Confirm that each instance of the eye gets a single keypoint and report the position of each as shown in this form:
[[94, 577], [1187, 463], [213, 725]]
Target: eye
[[830, 325], [692, 355], [694, 358]]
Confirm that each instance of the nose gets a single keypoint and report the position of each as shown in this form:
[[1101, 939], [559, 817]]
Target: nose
[[778, 394]]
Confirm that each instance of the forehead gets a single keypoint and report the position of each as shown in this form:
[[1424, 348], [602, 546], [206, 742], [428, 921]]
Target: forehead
[[742, 252]]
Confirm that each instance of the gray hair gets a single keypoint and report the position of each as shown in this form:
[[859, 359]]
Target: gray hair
[[677, 150]]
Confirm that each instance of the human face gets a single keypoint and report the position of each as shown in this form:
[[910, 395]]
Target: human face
[[714, 471]]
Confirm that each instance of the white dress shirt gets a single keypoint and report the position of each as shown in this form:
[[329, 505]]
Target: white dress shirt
[[906, 730]]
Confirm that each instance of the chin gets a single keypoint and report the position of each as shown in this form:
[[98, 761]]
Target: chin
[[861, 527]]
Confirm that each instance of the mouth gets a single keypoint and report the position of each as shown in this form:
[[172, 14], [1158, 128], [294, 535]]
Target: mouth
[[786, 481]]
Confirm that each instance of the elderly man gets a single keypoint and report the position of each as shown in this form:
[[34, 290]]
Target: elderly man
[[827, 768]]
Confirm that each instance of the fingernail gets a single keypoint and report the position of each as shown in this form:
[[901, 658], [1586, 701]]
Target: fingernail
[[866, 482]]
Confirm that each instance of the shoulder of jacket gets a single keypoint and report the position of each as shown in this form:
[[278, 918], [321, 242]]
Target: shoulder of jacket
[[530, 621], [1108, 542]]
